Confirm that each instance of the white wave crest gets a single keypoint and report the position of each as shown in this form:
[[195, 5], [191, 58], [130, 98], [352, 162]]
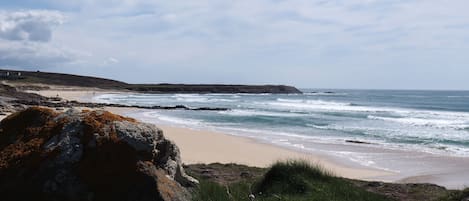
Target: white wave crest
[[453, 123], [240, 112], [172, 120], [329, 106]]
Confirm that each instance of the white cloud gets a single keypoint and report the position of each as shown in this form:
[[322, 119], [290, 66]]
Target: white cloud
[[30, 25], [25, 38]]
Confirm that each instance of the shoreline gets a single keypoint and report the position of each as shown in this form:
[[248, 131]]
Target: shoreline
[[226, 148]]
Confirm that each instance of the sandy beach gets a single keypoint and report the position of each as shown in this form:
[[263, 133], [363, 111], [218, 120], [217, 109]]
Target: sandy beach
[[210, 147], [204, 146], [73, 93]]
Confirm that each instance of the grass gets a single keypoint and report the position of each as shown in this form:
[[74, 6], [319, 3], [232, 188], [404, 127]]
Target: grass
[[457, 196], [289, 180]]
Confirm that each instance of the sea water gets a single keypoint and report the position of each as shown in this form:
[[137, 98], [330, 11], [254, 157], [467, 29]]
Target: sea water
[[436, 122]]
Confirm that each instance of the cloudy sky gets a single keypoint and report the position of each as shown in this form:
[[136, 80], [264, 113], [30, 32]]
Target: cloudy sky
[[379, 44]]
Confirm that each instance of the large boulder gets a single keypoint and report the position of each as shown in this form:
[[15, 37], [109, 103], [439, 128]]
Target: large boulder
[[87, 155]]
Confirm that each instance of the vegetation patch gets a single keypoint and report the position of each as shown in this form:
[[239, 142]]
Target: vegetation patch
[[301, 181], [289, 180], [457, 196]]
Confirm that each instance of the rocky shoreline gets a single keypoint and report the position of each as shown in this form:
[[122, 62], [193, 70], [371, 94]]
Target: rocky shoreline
[[12, 100], [71, 104]]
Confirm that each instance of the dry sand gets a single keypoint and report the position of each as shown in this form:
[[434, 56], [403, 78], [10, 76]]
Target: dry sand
[[210, 147], [203, 146], [73, 93]]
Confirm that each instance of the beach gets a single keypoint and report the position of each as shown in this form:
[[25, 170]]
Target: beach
[[209, 146]]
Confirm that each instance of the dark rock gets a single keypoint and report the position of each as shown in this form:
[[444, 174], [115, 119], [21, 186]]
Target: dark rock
[[245, 175], [71, 104], [87, 155], [357, 142], [375, 184]]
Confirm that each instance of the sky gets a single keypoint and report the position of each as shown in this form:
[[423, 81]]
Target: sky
[[364, 44]]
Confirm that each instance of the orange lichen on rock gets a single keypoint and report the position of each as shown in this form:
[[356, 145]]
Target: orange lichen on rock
[[87, 155], [106, 117], [98, 122], [21, 144]]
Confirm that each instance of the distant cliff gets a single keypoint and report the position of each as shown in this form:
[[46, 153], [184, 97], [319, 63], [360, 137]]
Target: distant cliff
[[209, 88], [86, 81]]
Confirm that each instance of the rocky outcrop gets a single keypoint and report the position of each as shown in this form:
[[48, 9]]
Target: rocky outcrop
[[54, 103], [87, 155]]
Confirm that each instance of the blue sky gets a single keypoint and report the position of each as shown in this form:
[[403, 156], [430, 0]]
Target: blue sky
[[379, 44]]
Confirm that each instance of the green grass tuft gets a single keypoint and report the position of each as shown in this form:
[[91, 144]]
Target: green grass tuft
[[210, 191], [291, 180], [300, 180], [292, 177]]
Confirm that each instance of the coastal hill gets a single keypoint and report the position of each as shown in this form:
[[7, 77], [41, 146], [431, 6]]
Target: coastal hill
[[87, 81]]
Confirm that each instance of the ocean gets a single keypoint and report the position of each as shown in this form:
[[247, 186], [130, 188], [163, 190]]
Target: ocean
[[436, 122]]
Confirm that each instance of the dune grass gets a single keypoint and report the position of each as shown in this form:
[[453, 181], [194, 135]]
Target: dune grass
[[292, 180]]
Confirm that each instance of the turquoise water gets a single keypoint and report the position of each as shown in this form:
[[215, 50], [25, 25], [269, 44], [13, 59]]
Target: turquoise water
[[429, 121]]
